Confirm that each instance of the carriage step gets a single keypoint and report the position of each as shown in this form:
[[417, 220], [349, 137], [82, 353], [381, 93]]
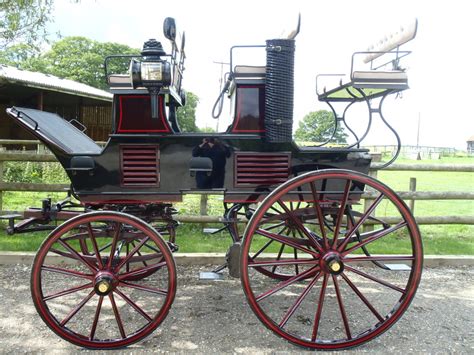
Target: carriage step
[[398, 267], [210, 230], [211, 275]]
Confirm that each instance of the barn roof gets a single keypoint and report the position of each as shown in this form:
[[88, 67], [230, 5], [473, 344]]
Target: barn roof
[[51, 82], [470, 139]]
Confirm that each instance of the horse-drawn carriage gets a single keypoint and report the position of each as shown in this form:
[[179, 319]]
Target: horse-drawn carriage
[[309, 257]]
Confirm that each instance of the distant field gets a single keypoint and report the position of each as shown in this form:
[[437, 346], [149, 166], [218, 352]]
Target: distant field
[[438, 239]]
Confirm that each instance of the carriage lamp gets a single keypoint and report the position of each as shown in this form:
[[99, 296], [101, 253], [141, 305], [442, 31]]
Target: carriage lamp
[[152, 72]]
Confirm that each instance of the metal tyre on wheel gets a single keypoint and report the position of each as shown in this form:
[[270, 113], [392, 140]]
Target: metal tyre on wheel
[[103, 280], [338, 290]]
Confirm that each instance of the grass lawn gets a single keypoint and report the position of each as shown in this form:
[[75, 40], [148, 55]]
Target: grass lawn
[[438, 239]]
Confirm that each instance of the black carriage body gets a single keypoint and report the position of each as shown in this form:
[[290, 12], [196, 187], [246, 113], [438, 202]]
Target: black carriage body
[[252, 170], [148, 160], [144, 161], [136, 168]]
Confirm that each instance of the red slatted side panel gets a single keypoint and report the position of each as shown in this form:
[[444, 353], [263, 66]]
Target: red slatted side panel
[[140, 165], [256, 169]]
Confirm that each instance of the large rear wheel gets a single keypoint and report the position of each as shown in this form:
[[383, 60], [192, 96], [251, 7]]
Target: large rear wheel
[[337, 286]]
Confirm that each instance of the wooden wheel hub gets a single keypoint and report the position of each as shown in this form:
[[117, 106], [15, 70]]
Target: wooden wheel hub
[[332, 263], [104, 283]]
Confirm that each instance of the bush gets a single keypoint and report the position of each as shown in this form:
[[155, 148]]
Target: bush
[[34, 172]]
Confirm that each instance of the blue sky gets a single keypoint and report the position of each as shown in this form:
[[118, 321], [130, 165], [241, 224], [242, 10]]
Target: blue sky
[[440, 68]]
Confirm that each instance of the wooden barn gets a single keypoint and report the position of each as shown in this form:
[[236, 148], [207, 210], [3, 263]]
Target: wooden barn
[[69, 99]]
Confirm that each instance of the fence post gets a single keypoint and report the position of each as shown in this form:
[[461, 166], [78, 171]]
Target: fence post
[[367, 202], [1, 180], [203, 205], [412, 189]]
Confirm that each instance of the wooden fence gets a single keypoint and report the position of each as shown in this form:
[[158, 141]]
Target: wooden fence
[[411, 195]]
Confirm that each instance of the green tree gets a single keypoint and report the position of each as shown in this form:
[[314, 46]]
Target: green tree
[[187, 114], [317, 126], [18, 55], [78, 58], [24, 21]]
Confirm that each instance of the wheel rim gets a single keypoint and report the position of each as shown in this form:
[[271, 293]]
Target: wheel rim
[[331, 296], [113, 285]]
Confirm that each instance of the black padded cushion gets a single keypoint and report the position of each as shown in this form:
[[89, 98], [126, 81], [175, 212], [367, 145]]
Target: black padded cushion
[[57, 131]]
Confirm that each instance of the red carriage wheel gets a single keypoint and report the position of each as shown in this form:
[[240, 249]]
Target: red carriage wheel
[[280, 224], [103, 280], [339, 291]]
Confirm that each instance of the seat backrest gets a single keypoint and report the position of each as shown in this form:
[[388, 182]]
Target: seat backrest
[[404, 34]]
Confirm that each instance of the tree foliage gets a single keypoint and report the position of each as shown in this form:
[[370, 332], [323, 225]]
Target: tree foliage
[[318, 126], [82, 60], [76, 58], [187, 114], [24, 21]]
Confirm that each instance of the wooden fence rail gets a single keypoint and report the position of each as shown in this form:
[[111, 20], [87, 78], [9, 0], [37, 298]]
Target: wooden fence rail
[[411, 196]]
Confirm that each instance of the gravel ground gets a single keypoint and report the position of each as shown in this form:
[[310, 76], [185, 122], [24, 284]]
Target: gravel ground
[[212, 317]]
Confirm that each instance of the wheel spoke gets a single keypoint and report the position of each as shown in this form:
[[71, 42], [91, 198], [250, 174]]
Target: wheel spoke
[[361, 221], [67, 272], [283, 262], [317, 317], [287, 241], [96, 318], [137, 272], [151, 247], [134, 305], [373, 238], [295, 254], [275, 209], [375, 279], [77, 256], [94, 246], [140, 254], [300, 226], [67, 292], [71, 256], [131, 253], [286, 283], [278, 257], [105, 246], [341, 307], [319, 214], [267, 244], [298, 301], [276, 226], [77, 308], [117, 316], [340, 213], [362, 297], [144, 288], [380, 258], [114, 244]]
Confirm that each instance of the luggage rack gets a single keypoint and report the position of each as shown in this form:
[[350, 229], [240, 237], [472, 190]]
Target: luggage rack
[[371, 85]]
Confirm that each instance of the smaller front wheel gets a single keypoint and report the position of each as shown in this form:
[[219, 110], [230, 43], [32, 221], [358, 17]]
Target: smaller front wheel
[[103, 280]]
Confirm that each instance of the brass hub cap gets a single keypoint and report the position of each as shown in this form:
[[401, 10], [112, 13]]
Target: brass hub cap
[[332, 263], [104, 284]]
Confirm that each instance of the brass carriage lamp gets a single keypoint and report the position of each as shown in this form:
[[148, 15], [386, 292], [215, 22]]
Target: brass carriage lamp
[[152, 72]]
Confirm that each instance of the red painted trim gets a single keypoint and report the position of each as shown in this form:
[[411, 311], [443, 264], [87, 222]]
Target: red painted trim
[[162, 117], [238, 107]]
